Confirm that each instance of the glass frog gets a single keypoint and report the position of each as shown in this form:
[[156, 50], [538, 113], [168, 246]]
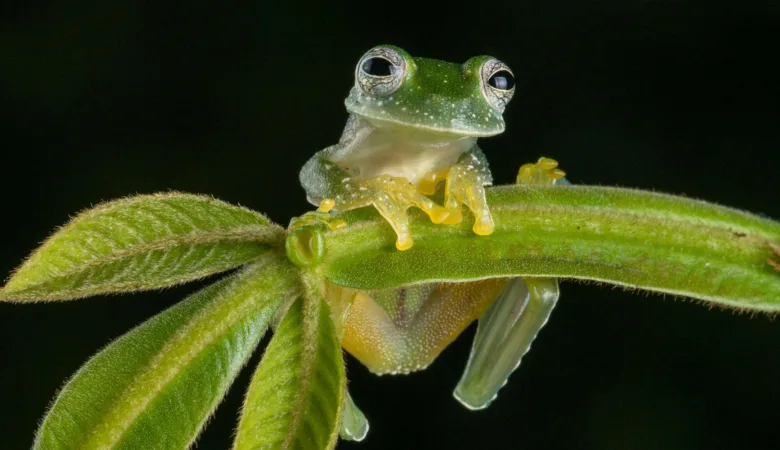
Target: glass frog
[[412, 133], [414, 122]]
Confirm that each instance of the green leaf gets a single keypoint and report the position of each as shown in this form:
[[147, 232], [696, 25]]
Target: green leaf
[[155, 387], [141, 243], [626, 237], [296, 396]]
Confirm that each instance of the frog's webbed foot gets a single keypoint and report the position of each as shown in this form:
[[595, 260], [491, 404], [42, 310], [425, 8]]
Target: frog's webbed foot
[[354, 425], [391, 196], [504, 335], [544, 171], [321, 215], [464, 185]]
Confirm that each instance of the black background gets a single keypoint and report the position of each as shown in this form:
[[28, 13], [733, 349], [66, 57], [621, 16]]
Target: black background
[[105, 99]]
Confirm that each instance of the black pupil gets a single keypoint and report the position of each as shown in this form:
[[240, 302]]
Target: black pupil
[[378, 67], [502, 80]]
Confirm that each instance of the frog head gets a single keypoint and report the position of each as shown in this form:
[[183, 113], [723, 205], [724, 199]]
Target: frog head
[[394, 89]]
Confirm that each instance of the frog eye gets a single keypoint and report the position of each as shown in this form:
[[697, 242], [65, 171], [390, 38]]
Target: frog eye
[[376, 66], [498, 83], [502, 80], [380, 72]]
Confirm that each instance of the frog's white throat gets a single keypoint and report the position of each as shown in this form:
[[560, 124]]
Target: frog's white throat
[[370, 149]]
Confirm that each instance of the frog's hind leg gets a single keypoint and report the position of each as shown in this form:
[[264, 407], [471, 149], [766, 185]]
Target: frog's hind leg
[[402, 330], [354, 426], [504, 334], [507, 329]]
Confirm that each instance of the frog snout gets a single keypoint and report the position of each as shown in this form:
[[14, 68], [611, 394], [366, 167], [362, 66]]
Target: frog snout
[[441, 99]]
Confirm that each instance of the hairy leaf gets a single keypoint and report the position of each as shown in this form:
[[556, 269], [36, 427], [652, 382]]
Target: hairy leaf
[[156, 386], [141, 243], [296, 396], [626, 237]]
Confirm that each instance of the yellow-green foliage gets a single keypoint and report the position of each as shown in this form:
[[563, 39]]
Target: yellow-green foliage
[[156, 386], [141, 243]]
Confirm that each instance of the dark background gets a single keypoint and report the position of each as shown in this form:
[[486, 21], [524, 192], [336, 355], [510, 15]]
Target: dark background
[[104, 99]]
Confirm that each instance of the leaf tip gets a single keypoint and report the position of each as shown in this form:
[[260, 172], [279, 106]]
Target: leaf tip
[[9, 296]]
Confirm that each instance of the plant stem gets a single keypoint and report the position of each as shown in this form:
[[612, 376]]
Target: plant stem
[[627, 237]]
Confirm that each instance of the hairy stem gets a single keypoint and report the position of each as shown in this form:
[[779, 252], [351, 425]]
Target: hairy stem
[[632, 238]]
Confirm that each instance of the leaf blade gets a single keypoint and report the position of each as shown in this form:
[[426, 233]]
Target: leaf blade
[[141, 243], [156, 386], [296, 396]]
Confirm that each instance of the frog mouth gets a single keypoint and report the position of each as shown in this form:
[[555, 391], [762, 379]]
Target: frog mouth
[[454, 129]]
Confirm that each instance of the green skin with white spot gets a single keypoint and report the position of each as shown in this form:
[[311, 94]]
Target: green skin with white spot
[[435, 95], [431, 121]]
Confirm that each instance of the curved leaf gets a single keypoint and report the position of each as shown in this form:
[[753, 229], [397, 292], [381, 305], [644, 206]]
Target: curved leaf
[[141, 243], [626, 237], [296, 396], [156, 386]]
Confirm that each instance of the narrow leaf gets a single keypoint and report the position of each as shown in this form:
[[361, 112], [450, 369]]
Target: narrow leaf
[[296, 396], [626, 237], [141, 243], [156, 386]]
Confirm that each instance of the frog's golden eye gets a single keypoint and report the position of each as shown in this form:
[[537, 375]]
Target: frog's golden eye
[[380, 72], [498, 83]]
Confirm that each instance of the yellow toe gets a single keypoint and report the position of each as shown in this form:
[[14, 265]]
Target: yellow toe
[[439, 214], [404, 243], [455, 217], [483, 228], [326, 205], [547, 163], [557, 174], [336, 224], [525, 172]]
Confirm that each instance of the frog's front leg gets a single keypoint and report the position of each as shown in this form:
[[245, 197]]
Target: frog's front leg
[[465, 184], [338, 190], [392, 197], [507, 329]]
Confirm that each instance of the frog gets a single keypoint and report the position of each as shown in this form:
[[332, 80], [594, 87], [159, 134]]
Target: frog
[[412, 129], [411, 133]]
